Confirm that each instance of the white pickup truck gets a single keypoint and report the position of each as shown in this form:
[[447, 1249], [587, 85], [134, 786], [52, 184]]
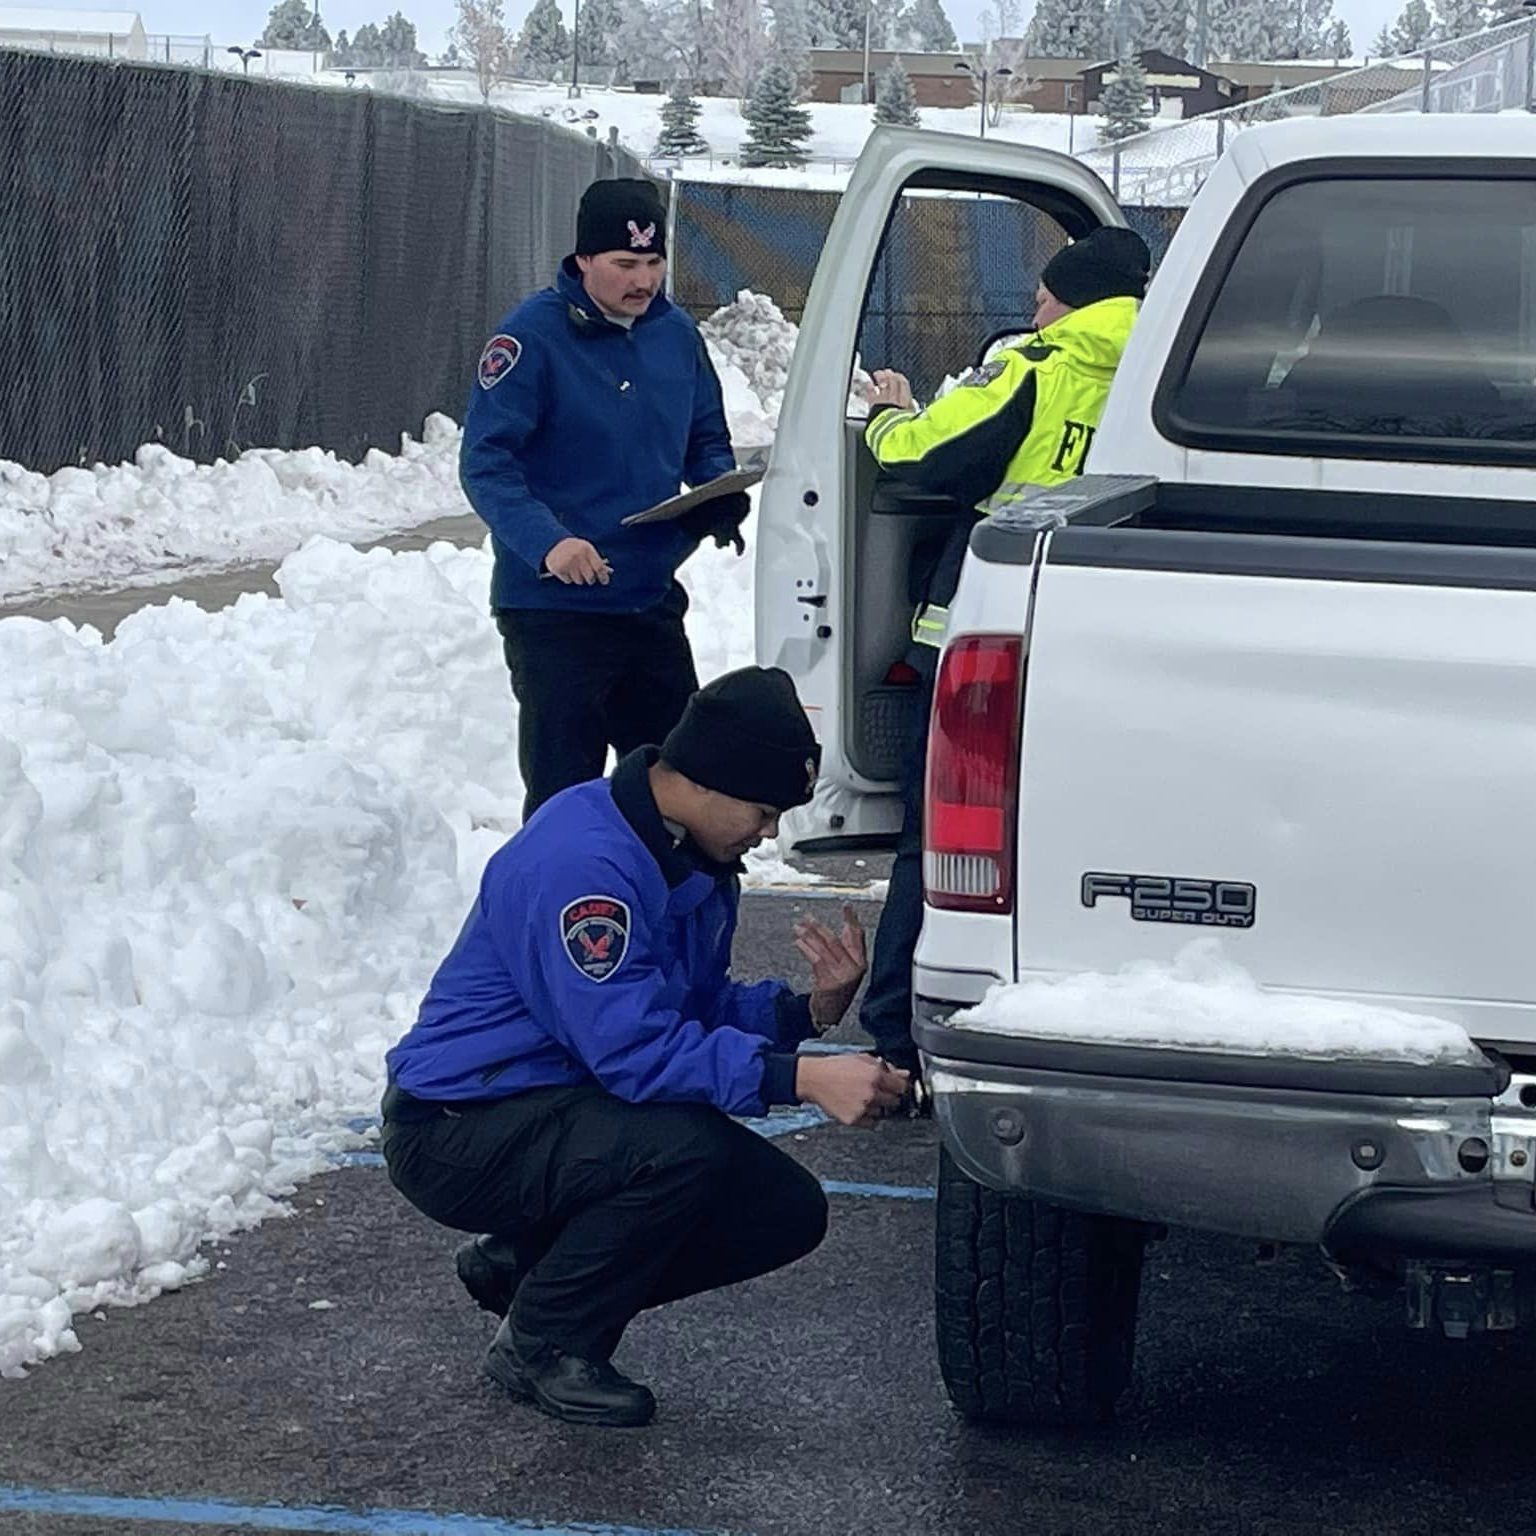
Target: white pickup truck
[[1266, 672]]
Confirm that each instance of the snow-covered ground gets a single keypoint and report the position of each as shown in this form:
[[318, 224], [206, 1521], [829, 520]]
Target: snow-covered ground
[[234, 845], [1204, 1001], [162, 516], [839, 130]]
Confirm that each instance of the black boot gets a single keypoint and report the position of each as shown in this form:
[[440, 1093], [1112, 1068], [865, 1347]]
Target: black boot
[[566, 1386], [490, 1273]]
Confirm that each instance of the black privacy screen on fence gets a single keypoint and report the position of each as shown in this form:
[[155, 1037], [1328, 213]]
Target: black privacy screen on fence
[[953, 270], [217, 264]]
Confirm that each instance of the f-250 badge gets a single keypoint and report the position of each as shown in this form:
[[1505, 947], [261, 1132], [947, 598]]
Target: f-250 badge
[[1167, 899]]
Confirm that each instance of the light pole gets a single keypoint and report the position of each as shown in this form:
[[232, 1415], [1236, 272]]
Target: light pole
[[575, 89], [869, 11], [984, 75], [246, 55]]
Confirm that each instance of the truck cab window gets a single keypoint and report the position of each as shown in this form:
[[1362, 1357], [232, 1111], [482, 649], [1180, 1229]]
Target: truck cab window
[[1359, 314]]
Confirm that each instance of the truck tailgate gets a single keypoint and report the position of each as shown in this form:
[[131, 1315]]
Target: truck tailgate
[[1362, 753]]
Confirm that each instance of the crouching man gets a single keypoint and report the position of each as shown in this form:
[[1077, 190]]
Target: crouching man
[[567, 1088]]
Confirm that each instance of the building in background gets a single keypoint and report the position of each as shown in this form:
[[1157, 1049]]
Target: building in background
[[54, 29]]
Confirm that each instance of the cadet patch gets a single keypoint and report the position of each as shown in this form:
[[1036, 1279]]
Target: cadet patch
[[595, 932], [980, 377], [498, 360]]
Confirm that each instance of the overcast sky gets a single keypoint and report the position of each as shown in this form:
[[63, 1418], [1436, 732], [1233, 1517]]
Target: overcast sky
[[243, 20]]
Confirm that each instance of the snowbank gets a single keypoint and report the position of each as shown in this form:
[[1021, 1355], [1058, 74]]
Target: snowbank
[[233, 847], [1205, 1002], [162, 516], [115, 524], [752, 345]]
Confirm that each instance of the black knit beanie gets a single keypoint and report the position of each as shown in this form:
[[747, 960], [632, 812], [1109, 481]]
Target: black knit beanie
[[1109, 263], [623, 215], [746, 736]]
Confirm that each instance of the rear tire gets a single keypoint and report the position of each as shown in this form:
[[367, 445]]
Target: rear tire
[[1035, 1305]]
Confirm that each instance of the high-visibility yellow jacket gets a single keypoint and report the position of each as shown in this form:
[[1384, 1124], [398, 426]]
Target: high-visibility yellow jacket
[[1023, 419]]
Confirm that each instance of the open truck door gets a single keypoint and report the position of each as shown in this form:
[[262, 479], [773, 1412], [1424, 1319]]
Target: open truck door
[[935, 249]]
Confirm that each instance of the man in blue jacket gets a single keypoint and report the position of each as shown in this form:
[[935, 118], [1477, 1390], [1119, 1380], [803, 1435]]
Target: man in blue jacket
[[596, 399], [568, 1087]]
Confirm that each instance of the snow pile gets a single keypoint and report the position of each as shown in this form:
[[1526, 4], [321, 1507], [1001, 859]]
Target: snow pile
[[751, 339], [753, 336], [1205, 1002], [119, 523], [233, 848], [161, 515]]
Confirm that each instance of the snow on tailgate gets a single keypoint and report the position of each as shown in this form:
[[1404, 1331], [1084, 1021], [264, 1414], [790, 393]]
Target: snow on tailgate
[[1205, 1002]]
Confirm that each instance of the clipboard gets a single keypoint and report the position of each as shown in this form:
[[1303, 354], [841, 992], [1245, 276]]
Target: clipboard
[[674, 506]]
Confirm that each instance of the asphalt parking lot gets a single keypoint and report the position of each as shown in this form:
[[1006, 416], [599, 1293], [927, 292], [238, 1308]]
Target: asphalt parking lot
[[1266, 1400]]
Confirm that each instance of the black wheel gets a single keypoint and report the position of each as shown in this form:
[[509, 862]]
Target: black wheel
[[1035, 1305]]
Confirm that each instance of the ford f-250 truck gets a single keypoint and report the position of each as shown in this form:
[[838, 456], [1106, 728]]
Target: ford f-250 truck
[[1267, 673]]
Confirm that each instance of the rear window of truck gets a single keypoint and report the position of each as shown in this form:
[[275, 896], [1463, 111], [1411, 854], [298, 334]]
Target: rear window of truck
[[1370, 317]]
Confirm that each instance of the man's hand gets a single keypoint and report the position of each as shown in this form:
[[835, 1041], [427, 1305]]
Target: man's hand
[[838, 964], [856, 1090], [719, 518], [577, 563], [891, 388]]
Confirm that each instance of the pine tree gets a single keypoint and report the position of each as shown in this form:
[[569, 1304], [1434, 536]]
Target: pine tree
[[544, 44], [895, 100], [1069, 29], [1125, 100], [367, 47], [835, 23], [1414, 29], [1169, 25], [654, 41], [792, 41], [1337, 43], [932, 28], [397, 44], [888, 24], [341, 50], [449, 57], [1461, 18], [599, 24], [680, 136], [1384, 47], [293, 24], [777, 126], [738, 45], [481, 35]]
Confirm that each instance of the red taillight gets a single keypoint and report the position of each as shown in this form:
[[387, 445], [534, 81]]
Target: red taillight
[[973, 775]]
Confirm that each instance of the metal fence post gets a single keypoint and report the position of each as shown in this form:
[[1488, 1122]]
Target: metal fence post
[[1115, 174], [1530, 67], [1429, 66], [1221, 137]]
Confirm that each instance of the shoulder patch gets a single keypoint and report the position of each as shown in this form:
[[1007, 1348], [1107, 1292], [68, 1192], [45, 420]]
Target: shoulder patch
[[987, 373], [499, 358], [595, 933]]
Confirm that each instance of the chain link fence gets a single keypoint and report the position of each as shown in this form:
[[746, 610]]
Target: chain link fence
[[1490, 71], [214, 264], [953, 270]]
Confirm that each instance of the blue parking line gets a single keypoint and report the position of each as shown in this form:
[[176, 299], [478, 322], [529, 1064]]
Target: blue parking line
[[326, 1519], [880, 1191], [832, 1186]]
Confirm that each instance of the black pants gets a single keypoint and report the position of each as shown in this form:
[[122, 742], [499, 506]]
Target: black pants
[[611, 1207], [886, 1014], [585, 682]]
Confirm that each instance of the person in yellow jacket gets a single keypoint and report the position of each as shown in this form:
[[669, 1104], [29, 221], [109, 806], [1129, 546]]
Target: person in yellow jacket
[[1024, 418]]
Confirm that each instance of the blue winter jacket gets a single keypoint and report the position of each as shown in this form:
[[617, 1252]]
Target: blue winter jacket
[[599, 951], [573, 424]]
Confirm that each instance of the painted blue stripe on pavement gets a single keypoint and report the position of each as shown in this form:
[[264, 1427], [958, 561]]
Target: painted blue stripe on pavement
[[832, 1186], [879, 1191], [295, 1517]]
